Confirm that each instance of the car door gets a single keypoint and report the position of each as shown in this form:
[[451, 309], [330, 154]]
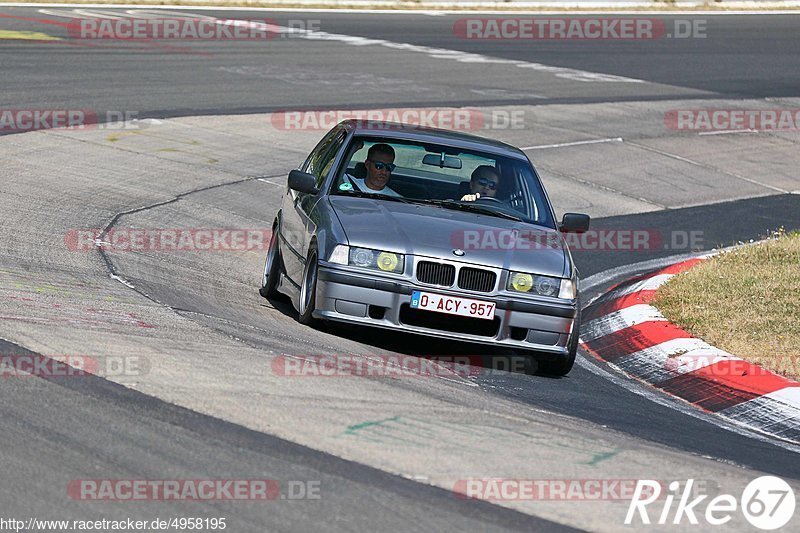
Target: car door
[[297, 224]]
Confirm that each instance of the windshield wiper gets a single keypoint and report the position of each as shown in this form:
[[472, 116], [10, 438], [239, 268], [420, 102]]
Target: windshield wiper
[[452, 204]]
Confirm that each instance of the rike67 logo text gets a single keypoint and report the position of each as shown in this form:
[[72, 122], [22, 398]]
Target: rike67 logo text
[[767, 503]]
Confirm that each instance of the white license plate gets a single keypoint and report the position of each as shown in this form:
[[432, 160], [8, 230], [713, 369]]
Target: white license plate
[[452, 306]]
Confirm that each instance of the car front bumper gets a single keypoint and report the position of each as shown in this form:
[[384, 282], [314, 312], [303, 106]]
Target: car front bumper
[[379, 302]]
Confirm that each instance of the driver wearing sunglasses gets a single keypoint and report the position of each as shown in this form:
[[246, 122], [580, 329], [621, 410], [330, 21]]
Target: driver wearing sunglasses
[[483, 182], [379, 164]]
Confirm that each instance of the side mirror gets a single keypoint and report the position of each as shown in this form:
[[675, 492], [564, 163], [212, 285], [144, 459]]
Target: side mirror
[[574, 223], [302, 182]]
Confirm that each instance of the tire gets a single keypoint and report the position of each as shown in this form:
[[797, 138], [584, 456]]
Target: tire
[[562, 366], [272, 268], [308, 289]]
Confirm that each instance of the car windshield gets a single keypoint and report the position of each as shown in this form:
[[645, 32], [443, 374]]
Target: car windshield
[[443, 176]]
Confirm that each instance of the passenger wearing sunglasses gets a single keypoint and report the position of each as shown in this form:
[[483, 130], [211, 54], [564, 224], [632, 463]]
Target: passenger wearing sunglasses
[[379, 164], [483, 182]]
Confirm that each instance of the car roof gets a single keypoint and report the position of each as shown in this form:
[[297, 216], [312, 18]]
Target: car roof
[[410, 132]]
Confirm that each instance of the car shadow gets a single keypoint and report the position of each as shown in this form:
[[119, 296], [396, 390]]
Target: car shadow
[[484, 360]]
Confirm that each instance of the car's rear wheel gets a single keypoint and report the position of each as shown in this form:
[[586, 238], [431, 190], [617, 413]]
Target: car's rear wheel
[[308, 289], [272, 268]]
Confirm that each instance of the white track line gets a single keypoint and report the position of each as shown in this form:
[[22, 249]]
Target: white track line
[[703, 165], [101, 14], [619, 9], [576, 143], [161, 13], [436, 53], [727, 132]]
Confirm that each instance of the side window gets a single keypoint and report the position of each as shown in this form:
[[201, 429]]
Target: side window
[[321, 160], [314, 155]]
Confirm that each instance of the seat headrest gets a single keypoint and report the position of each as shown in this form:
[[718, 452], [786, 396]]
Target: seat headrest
[[360, 171]]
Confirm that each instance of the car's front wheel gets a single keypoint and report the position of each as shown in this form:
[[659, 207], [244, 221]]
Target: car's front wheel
[[272, 268], [308, 290]]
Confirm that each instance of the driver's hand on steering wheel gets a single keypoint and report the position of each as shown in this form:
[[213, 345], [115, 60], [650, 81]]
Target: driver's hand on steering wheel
[[470, 197]]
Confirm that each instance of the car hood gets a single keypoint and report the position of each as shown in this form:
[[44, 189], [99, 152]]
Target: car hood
[[433, 231]]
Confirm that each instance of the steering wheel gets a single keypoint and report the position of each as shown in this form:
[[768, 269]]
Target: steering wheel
[[490, 199]]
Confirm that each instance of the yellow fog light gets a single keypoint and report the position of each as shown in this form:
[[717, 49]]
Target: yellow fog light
[[521, 282], [387, 261]]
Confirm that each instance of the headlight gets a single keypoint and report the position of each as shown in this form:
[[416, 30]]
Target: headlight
[[531, 283], [385, 261]]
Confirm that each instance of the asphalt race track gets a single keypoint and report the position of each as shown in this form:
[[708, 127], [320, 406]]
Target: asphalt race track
[[210, 148]]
